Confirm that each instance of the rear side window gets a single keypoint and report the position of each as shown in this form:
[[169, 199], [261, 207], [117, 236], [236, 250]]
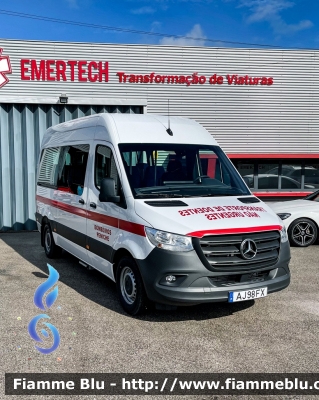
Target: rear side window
[[48, 171], [72, 168]]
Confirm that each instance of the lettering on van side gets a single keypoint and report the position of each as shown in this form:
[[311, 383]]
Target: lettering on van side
[[103, 233]]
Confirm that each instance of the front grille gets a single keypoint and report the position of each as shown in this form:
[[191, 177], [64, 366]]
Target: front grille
[[225, 280], [231, 280], [223, 252]]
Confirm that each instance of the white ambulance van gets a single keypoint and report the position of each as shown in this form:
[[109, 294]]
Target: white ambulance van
[[161, 211]]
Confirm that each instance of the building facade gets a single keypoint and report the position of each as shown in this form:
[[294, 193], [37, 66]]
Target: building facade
[[260, 105]]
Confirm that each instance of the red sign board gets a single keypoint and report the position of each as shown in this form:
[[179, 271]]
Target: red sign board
[[98, 71], [59, 70]]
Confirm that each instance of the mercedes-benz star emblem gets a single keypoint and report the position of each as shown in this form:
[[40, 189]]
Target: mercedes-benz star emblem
[[248, 249]]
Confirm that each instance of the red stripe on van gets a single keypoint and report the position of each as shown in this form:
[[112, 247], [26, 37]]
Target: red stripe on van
[[71, 209], [230, 231], [103, 219], [63, 206], [131, 227]]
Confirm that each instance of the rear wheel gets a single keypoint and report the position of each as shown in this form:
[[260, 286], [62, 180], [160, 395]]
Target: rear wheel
[[130, 287], [50, 248], [303, 232]]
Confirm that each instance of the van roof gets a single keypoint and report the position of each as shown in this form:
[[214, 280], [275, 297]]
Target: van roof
[[131, 128]]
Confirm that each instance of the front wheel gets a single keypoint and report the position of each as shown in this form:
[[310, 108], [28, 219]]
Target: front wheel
[[50, 248], [303, 232], [130, 287]]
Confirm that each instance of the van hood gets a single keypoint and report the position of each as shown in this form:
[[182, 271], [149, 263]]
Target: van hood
[[201, 216]]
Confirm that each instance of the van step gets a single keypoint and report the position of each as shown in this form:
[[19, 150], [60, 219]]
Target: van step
[[86, 265]]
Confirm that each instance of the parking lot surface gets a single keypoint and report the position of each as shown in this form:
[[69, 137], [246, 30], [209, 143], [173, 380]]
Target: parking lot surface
[[276, 334]]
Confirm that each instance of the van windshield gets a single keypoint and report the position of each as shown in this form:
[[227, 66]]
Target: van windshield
[[180, 170]]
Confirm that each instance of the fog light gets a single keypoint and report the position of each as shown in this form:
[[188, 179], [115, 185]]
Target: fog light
[[170, 278]]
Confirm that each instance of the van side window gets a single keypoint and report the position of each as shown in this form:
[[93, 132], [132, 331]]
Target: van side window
[[48, 167], [105, 167], [72, 168]]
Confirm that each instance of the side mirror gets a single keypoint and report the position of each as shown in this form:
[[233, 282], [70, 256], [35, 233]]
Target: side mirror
[[107, 191]]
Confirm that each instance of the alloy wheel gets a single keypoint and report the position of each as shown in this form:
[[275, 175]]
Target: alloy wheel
[[303, 233]]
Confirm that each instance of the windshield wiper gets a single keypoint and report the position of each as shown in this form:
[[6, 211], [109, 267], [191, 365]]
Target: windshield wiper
[[216, 195]]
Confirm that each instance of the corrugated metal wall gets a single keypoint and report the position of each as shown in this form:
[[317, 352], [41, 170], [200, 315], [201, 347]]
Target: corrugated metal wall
[[281, 118], [271, 119], [21, 129]]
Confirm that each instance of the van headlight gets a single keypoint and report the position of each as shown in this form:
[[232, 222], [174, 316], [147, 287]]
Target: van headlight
[[168, 241], [284, 235]]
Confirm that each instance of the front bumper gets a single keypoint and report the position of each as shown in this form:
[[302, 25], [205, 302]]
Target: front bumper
[[196, 284]]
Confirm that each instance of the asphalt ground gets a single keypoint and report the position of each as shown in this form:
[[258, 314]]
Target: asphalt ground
[[279, 333]]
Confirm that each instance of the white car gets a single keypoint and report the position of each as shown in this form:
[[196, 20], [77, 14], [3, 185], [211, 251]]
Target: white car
[[301, 218]]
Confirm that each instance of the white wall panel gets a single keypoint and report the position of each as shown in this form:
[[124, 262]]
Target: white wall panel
[[278, 118]]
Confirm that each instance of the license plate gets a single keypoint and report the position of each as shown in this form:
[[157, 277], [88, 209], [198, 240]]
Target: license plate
[[247, 295]]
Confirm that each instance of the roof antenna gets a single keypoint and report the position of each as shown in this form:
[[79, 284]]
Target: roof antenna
[[168, 130]]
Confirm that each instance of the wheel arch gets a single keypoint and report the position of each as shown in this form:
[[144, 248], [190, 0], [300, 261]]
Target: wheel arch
[[120, 253], [300, 218]]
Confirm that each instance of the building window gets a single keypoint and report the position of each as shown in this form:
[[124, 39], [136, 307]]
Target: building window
[[312, 175], [279, 175], [268, 176], [246, 170], [291, 176]]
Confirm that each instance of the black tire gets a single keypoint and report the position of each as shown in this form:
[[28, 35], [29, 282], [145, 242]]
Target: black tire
[[130, 288], [302, 232], [50, 248]]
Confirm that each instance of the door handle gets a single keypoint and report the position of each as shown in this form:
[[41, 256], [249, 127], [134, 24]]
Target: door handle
[[93, 205], [81, 201]]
